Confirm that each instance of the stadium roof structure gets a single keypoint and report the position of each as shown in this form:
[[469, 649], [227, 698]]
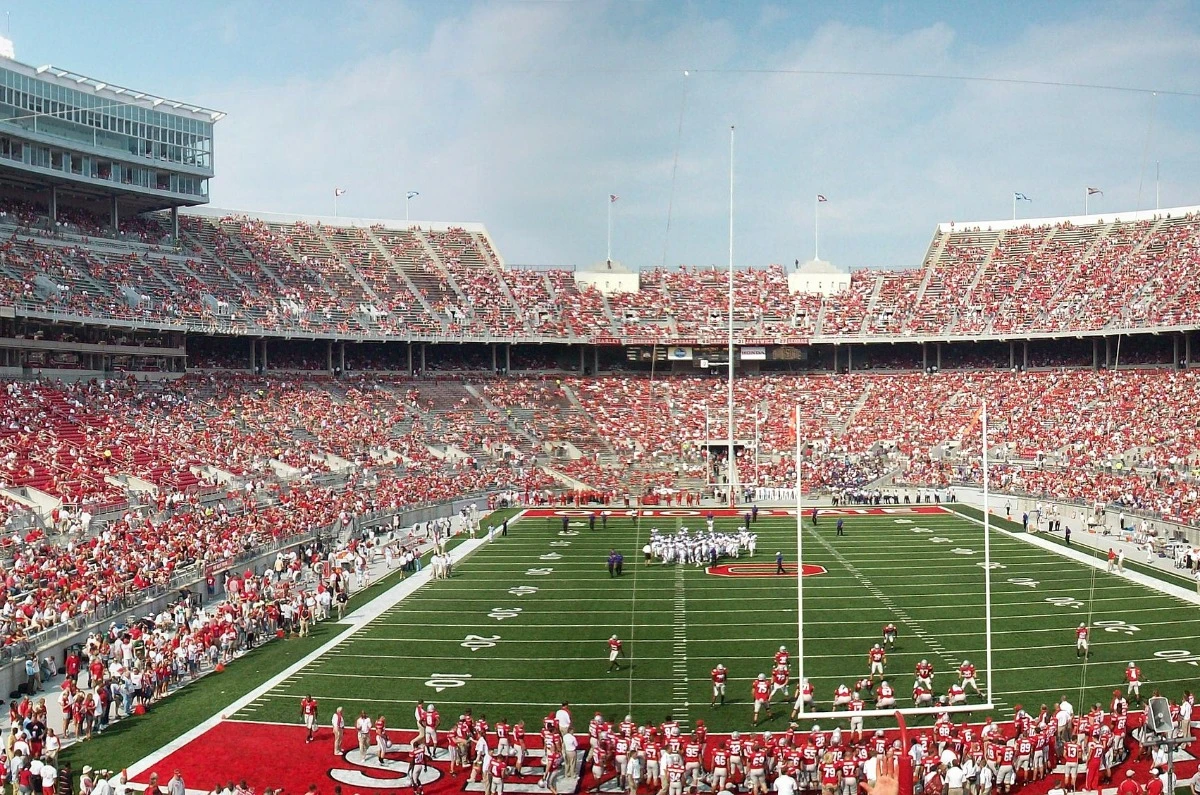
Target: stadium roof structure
[[129, 95]]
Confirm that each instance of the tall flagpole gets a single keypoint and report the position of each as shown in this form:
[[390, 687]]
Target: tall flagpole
[[1014, 205], [817, 227], [1156, 184], [799, 571], [987, 560], [731, 477], [608, 256]]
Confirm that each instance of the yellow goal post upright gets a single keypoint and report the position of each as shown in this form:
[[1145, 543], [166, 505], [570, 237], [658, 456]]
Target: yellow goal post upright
[[988, 704]]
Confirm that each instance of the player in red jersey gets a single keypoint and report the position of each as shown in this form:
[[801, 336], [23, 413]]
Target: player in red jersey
[[889, 635], [885, 697], [719, 677], [760, 694], [877, 657], [779, 681], [841, 696], [615, 650], [783, 657], [804, 698], [922, 695], [692, 751], [518, 739], [1072, 753], [966, 677], [1133, 679], [308, 708], [924, 671], [857, 705], [720, 765], [1081, 641], [956, 695], [382, 745]]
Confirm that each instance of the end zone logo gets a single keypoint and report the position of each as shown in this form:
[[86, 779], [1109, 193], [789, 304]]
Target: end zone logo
[[283, 759], [762, 570]]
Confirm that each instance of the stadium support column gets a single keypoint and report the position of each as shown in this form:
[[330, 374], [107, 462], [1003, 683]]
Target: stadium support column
[[329, 355], [939, 356], [175, 224], [924, 355], [264, 356], [410, 358], [1187, 349], [493, 357], [53, 203], [1025, 356], [595, 360], [508, 357], [1107, 353], [342, 356], [1095, 353], [253, 350], [849, 359], [1012, 354], [582, 359], [1175, 351], [422, 357], [116, 214]]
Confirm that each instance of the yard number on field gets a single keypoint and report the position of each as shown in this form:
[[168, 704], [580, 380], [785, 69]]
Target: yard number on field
[[1025, 581], [440, 682], [501, 613], [539, 572], [477, 642], [1178, 655], [1065, 601], [522, 590], [1118, 626]]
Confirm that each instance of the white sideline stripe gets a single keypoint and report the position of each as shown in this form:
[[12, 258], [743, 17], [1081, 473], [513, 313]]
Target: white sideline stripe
[[386, 599]]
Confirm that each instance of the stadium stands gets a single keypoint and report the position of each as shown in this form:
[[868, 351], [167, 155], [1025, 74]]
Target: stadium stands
[[350, 280]]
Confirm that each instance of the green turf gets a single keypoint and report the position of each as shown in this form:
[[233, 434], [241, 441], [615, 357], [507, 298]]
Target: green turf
[[130, 740], [923, 571]]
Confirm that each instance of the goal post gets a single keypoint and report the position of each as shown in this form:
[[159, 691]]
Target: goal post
[[987, 689]]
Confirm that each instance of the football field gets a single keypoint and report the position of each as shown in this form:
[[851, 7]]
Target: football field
[[523, 623]]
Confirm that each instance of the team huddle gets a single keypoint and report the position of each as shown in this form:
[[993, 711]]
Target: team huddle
[[704, 548]]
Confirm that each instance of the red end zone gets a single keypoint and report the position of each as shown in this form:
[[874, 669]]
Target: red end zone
[[275, 755], [762, 570], [726, 513]]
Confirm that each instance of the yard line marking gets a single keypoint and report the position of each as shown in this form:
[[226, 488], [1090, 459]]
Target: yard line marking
[[679, 664]]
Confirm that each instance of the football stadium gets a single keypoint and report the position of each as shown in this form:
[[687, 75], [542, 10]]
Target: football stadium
[[310, 503]]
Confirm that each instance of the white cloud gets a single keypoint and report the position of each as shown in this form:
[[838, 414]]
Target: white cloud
[[525, 116]]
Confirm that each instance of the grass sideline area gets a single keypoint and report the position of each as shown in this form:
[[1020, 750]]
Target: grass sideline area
[[129, 740], [1131, 563], [524, 622]]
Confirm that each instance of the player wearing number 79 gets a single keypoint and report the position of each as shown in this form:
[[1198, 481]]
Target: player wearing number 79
[[1081, 641]]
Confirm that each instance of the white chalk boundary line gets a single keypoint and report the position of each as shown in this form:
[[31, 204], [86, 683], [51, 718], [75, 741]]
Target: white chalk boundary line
[[379, 604]]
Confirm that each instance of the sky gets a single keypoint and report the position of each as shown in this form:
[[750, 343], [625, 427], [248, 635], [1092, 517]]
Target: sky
[[524, 115]]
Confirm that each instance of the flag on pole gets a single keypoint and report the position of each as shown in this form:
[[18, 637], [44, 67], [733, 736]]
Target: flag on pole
[[1021, 197], [412, 194], [338, 192], [612, 197], [821, 198], [1094, 191]]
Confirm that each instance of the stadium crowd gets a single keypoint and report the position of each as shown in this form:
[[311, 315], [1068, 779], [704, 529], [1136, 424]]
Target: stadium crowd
[[242, 272]]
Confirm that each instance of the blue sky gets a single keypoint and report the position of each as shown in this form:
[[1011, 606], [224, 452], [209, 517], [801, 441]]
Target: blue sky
[[526, 115]]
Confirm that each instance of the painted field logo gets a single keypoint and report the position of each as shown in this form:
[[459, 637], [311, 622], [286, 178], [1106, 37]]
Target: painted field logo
[[762, 570]]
